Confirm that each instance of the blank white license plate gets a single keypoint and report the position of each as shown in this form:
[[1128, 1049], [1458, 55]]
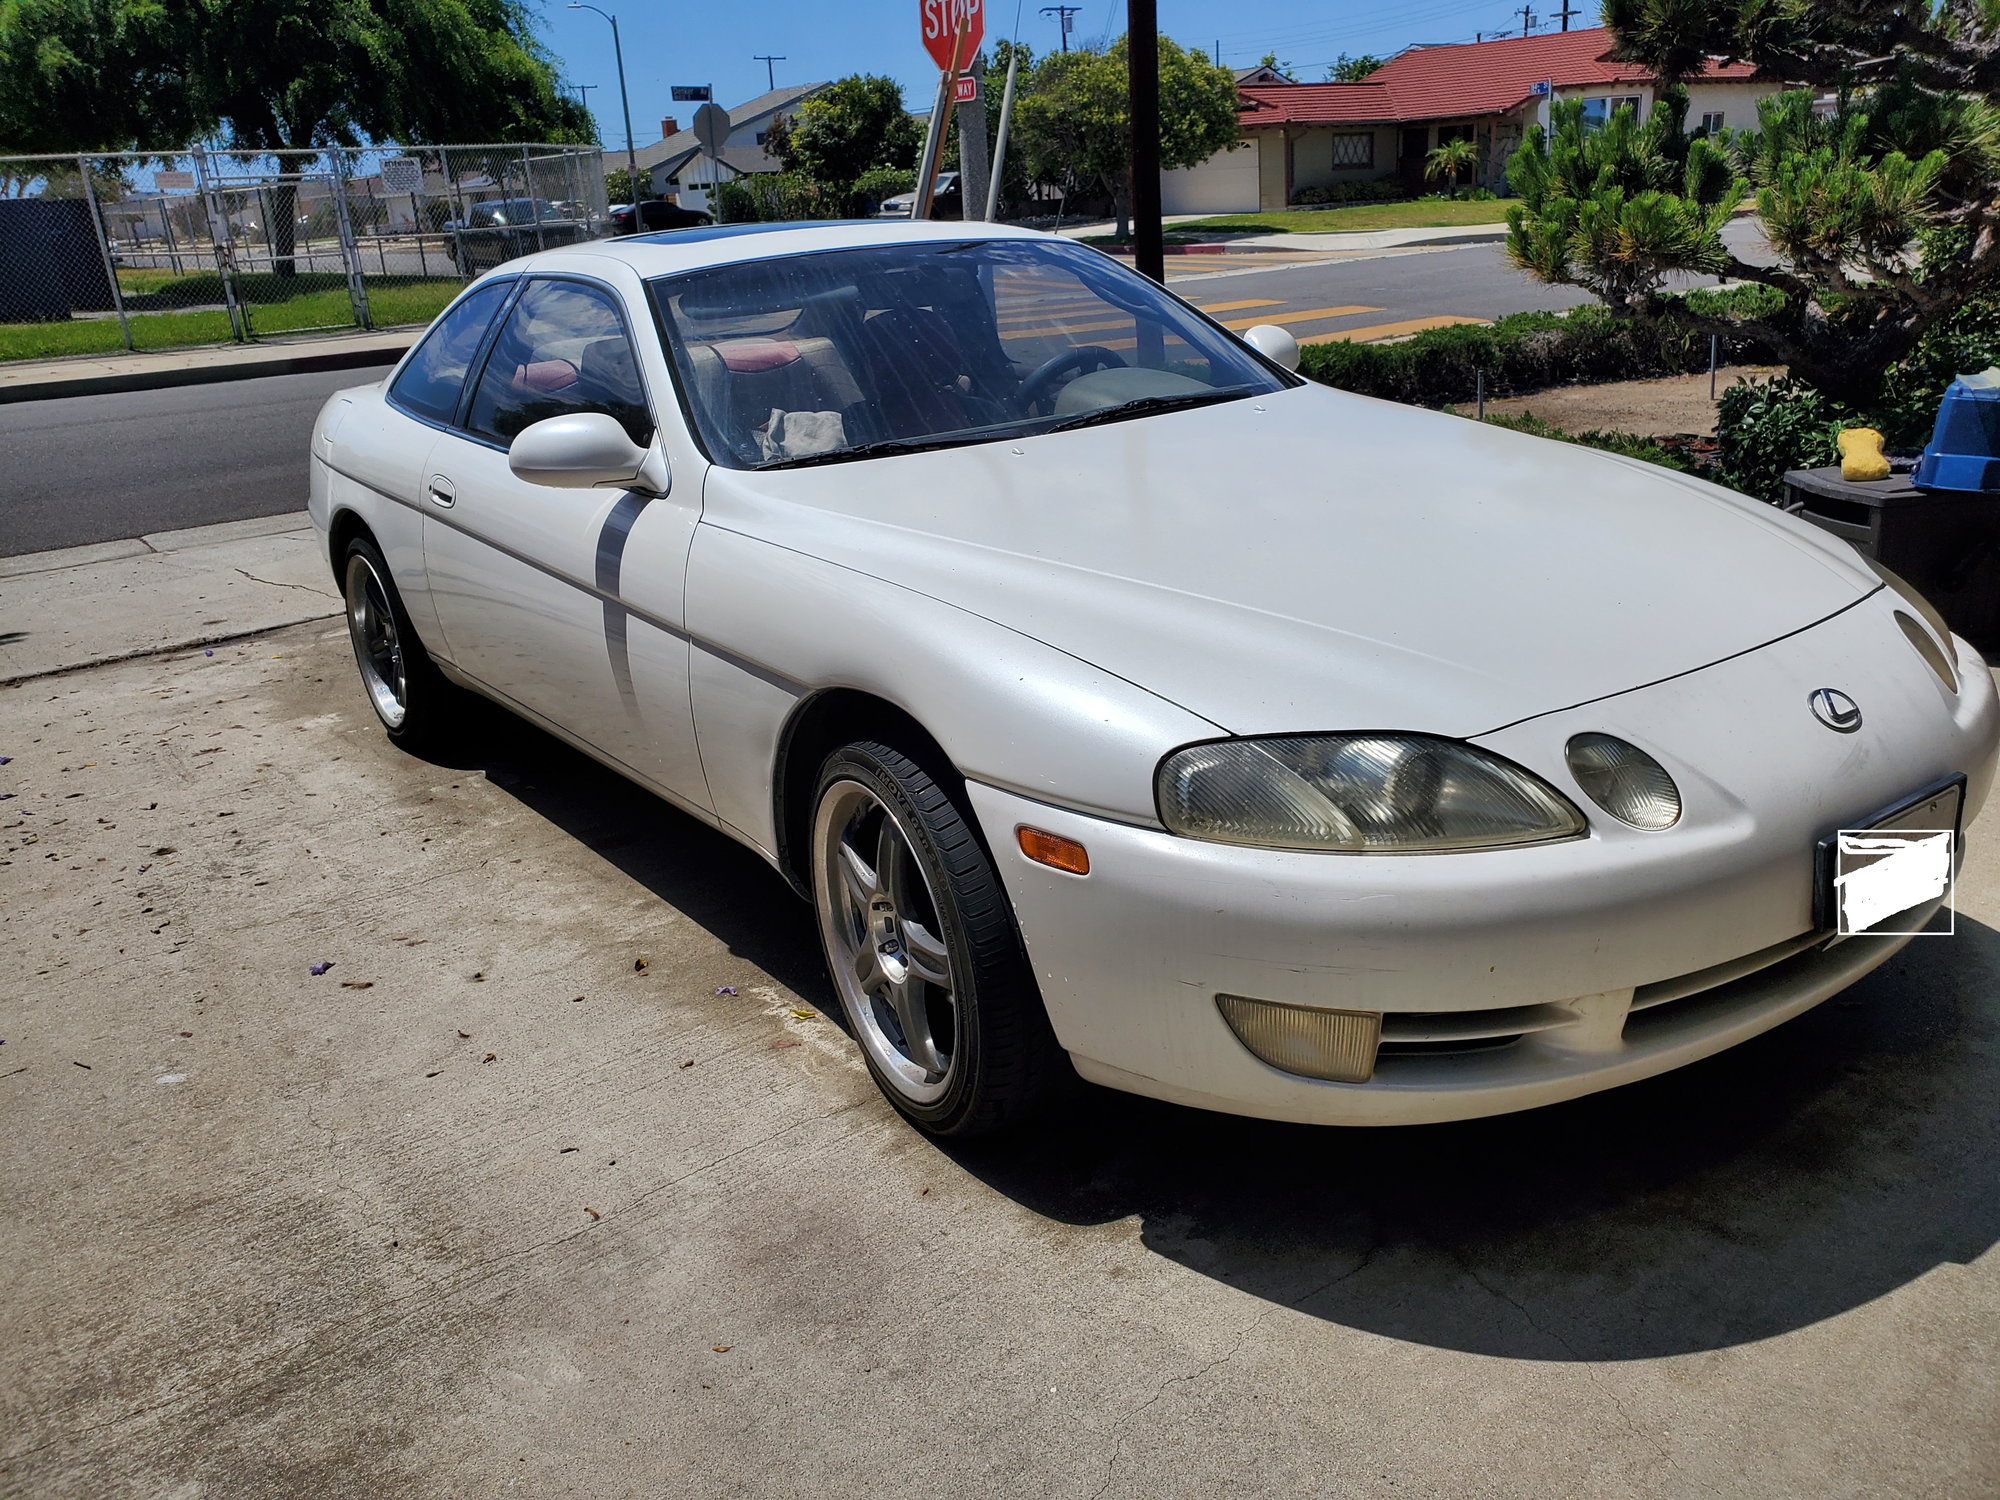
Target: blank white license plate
[[1864, 882]]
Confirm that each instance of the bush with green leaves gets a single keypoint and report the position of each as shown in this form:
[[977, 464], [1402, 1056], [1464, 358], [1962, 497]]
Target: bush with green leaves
[[1522, 353], [1326, 194], [1766, 428], [878, 183], [773, 198]]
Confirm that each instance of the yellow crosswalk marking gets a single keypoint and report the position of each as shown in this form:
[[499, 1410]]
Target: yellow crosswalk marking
[[1379, 331], [1312, 315], [1212, 308]]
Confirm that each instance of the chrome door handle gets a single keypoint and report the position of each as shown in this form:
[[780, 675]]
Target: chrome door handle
[[441, 492]]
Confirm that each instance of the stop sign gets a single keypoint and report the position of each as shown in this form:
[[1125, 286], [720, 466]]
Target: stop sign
[[952, 27]]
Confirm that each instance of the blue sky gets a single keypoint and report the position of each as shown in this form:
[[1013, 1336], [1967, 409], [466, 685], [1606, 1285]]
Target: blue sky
[[714, 44]]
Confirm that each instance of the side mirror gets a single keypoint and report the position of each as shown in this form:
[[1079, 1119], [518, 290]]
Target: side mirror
[[586, 450], [1274, 344]]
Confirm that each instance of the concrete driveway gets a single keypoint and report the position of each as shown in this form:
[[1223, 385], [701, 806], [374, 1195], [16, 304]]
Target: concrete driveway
[[488, 1209]]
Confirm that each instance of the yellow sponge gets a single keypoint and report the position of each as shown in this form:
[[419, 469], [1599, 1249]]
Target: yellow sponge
[[1861, 454]]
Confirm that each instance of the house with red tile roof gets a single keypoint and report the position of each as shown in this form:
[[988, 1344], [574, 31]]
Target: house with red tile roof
[[1304, 135]]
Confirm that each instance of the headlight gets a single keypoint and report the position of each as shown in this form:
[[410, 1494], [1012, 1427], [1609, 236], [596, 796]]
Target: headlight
[[1624, 780], [1358, 794]]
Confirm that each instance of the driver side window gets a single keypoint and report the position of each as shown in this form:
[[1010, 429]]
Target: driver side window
[[562, 349]]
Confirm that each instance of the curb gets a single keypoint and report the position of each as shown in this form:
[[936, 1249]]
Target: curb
[[162, 379]]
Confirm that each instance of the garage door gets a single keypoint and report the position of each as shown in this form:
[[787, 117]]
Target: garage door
[[1224, 184]]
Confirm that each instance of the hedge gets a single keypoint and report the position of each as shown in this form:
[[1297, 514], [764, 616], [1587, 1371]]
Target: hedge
[[1522, 353]]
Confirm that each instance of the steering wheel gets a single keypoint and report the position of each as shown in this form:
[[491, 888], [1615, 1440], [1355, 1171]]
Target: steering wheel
[[1081, 360]]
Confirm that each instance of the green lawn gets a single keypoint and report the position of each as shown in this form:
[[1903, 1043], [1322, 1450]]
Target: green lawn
[[1357, 216], [277, 305]]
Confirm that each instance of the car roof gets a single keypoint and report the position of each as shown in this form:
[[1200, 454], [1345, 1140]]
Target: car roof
[[726, 244]]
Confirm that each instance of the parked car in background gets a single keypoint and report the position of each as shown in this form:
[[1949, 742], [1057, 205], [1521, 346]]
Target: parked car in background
[[1126, 704], [947, 200], [656, 214], [496, 230]]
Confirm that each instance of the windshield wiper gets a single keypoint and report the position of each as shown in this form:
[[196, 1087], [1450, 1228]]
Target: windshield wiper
[[878, 449], [1143, 406]]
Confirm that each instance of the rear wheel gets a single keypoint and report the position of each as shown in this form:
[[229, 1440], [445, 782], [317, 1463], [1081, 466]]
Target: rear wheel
[[408, 693], [922, 948]]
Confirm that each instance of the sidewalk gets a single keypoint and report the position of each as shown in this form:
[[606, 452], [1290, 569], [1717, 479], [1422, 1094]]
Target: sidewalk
[[173, 590], [146, 370]]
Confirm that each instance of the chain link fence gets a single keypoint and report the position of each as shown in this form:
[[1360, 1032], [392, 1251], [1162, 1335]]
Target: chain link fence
[[133, 250]]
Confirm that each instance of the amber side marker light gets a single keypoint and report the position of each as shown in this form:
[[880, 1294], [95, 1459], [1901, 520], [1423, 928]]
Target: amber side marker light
[[1053, 850]]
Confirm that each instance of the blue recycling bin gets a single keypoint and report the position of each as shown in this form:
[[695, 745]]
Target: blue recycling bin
[[1964, 451]]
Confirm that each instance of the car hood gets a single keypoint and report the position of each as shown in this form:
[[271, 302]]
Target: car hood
[[1313, 560]]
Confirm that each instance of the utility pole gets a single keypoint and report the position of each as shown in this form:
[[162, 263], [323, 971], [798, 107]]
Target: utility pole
[[770, 70], [583, 95], [1142, 31], [973, 144], [1065, 17], [1565, 13], [1527, 15]]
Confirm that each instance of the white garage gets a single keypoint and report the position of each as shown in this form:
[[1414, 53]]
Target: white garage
[[1224, 184]]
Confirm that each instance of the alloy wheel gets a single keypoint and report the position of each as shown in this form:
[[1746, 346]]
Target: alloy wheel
[[378, 648], [884, 941]]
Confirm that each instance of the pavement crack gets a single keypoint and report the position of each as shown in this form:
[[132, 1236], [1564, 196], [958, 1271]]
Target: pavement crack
[[276, 584]]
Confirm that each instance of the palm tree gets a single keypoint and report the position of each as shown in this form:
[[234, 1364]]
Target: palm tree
[[1451, 161]]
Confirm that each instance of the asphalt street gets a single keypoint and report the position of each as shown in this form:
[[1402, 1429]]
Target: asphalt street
[[101, 468]]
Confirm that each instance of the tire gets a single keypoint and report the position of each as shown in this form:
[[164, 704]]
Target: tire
[[410, 696], [921, 946]]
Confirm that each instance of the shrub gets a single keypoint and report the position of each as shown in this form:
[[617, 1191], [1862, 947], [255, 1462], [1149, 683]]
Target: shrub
[[1521, 353], [772, 197], [1767, 427], [1463, 195], [878, 183], [1330, 194]]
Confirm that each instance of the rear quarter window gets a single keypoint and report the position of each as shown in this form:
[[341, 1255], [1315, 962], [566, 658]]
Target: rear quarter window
[[430, 384]]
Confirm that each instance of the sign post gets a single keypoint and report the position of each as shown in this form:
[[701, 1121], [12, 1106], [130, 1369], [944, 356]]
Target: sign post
[[952, 31], [711, 129]]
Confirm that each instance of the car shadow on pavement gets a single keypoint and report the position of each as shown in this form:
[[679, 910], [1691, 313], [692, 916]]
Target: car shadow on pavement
[[1793, 1178], [703, 874], [1790, 1179]]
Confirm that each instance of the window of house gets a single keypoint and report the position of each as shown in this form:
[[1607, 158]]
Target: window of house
[[1597, 113], [1354, 150], [1711, 124]]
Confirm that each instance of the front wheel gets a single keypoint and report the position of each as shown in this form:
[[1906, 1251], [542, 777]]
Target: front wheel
[[922, 948], [408, 693]]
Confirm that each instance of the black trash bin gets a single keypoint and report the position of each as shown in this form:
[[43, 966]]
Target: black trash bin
[[1945, 542]]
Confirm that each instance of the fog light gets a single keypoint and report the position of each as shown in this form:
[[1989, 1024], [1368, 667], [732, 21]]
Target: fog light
[[1337, 1045], [1624, 780]]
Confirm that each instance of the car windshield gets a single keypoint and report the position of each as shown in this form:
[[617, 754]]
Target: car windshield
[[850, 354]]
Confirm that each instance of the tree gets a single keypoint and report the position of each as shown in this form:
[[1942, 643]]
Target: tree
[[281, 76], [618, 186], [845, 130], [1451, 161], [1072, 125], [1885, 212], [1345, 69], [1270, 60]]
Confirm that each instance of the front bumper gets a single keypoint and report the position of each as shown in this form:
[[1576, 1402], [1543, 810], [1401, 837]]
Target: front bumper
[[1708, 924]]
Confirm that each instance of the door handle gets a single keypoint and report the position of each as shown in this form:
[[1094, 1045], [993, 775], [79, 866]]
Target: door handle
[[441, 492]]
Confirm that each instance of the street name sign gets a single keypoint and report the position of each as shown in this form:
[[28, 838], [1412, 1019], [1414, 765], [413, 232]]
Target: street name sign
[[952, 30]]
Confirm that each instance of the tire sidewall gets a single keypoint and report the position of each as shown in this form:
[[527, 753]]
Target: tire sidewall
[[859, 763], [420, 677]]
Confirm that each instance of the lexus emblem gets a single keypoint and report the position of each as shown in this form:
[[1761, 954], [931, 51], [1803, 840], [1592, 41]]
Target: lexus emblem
[[1835, 710]]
